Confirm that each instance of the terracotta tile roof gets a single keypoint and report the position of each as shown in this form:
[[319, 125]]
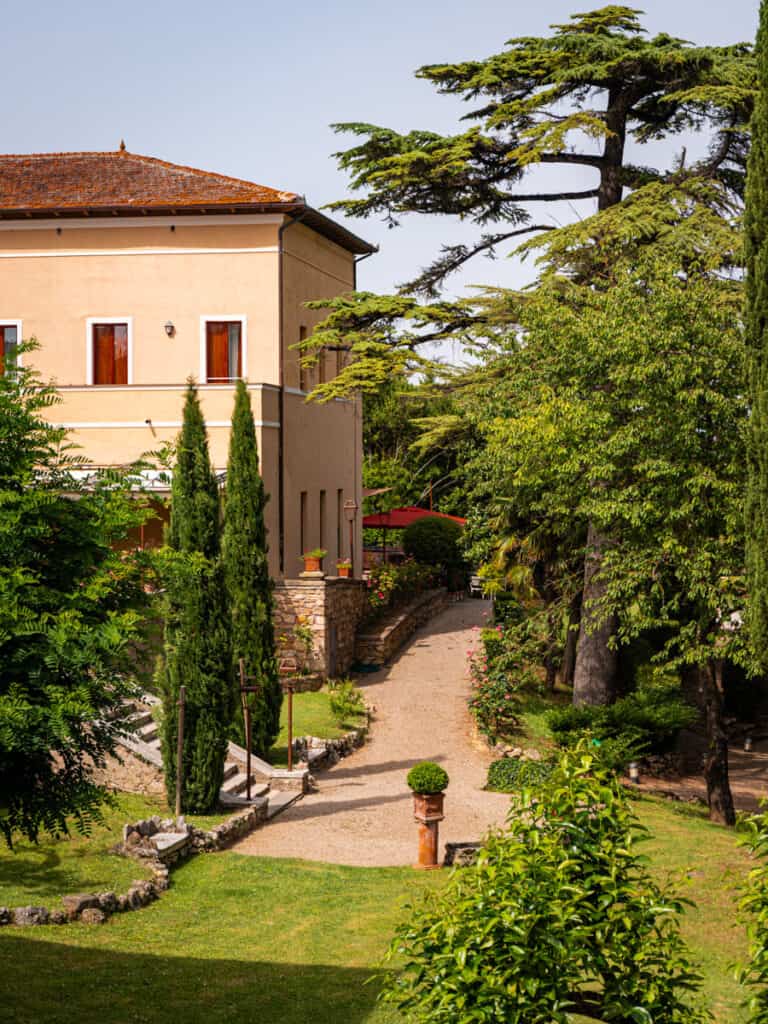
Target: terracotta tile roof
[[99, 182]]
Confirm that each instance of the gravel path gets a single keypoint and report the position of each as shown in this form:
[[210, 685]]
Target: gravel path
[[362, 813]]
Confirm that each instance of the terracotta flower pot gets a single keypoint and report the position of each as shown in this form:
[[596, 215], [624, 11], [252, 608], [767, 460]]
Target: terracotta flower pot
[[312, 564], [344, 571], [428, 806]]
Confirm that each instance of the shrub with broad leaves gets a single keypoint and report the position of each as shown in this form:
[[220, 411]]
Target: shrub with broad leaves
[[560, 917]]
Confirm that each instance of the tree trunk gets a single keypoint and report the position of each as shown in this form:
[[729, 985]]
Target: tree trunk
[[594, 679], [719, 796], [572, 637]]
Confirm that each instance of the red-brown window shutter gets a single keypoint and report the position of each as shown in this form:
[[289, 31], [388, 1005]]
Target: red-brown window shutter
[[110, 353], [223, 350]]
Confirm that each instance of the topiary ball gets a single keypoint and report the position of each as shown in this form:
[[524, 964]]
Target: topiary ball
[[427, 777]]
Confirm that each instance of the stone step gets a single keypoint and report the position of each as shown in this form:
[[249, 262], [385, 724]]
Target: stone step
[[140, 719], [169, 842], [237, 785], [259, 768], [278, 801], [230, 769], [147, 751], [149, 732]]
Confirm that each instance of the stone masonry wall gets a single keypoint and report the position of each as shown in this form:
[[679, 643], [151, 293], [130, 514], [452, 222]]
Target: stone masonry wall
[[333, 608]]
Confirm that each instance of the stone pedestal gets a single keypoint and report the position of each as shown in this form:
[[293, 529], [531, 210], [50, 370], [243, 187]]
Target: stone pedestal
[[428, 812]]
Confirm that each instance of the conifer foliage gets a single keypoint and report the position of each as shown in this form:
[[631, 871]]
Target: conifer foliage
[[72, 612], [249, 587], [756, 243], [197, 651]]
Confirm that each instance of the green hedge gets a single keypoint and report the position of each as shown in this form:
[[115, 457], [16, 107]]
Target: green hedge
[[510, 774]]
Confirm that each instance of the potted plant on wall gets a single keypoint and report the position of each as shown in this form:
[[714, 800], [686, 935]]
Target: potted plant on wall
[[313, 560], [428, 782], [344, 568]]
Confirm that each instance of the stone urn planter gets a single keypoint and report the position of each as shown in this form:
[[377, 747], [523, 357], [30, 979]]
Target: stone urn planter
[[428, 782]]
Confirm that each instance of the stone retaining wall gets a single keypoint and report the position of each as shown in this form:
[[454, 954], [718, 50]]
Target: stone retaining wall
[[318, 753], [377, 646], [333, 608]]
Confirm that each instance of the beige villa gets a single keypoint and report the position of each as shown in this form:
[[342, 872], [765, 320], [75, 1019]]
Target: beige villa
[[134, 274]]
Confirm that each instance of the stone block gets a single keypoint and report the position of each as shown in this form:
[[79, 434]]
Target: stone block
[[75, 904], [92, 915], [108, 902], [5, 915], [30, 915], [461, 855], [58, 917], [282, 780]]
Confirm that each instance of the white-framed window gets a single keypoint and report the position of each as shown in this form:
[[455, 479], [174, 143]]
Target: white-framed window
[[10, 336], [109, 351], [223, 348]]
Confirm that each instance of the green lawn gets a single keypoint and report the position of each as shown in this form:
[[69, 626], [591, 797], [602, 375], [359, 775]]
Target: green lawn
[[311, 717], [236, 939], [707, 866], [252, 939], [40, 874]]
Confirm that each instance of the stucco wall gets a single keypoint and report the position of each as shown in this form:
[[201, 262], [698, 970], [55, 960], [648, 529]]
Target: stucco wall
[[55, 276], [323, 446]]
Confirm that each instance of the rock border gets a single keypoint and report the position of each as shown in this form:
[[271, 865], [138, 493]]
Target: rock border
[[317, 753], [156, 842]]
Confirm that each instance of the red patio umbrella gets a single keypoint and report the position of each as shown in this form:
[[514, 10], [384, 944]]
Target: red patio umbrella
[[399, 518]]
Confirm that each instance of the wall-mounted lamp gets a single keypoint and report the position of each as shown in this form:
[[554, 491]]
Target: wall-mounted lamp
[[170, 330]]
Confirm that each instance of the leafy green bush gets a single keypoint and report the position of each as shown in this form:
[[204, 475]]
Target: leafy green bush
[[646, 721], [509, 774], [427, 777], [434, 541], [560, 917], [345, 700], [755, 902]]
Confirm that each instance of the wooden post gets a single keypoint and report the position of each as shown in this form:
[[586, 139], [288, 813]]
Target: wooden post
[[290, 727], [180, 747]]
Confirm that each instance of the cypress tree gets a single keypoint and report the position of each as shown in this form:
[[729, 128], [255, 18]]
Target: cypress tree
[[756, 246], [249, 587], [197, 651]]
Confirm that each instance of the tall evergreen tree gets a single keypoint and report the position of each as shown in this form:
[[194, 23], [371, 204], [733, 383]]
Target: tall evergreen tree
[[249, 587], [197, 650], [573, 100], [756, 244]]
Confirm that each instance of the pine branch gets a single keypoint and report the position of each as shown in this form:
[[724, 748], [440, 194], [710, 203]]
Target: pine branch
[[454, 257]]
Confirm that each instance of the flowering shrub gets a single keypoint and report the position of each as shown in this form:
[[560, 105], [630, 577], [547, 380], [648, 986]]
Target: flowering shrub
[[499, 667], [388, 584], [492, 702]]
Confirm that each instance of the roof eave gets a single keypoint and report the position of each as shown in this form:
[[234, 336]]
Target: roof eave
[[319, 222]]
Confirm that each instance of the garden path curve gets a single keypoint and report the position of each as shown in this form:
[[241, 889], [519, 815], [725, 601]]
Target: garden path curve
[[362, 813]]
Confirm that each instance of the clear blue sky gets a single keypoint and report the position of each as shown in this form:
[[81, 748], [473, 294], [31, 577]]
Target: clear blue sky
[[249, 89]]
